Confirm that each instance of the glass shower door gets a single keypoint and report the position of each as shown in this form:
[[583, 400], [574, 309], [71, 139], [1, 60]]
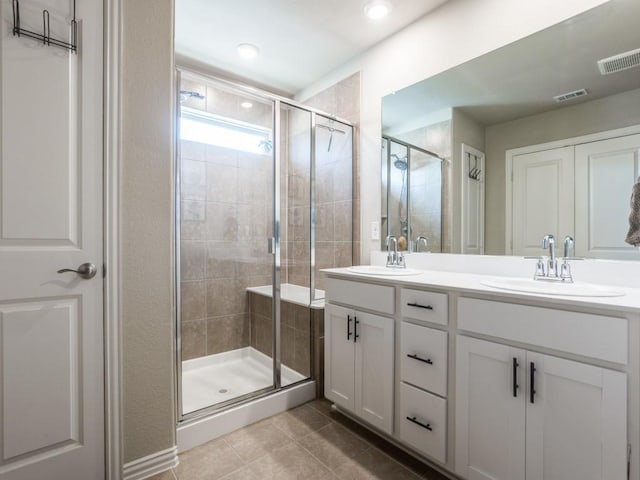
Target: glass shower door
[[226, 214]]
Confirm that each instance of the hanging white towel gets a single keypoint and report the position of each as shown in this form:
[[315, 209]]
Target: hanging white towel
[[633, 236]]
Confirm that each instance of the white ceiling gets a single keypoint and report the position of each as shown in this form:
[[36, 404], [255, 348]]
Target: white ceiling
[[520, 79], [300, 41]]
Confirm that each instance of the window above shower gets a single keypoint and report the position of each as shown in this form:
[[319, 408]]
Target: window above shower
[[216, 130]]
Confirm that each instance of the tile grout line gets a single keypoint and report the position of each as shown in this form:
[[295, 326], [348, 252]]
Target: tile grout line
[[233, 449], [333, 471], [371, 445]]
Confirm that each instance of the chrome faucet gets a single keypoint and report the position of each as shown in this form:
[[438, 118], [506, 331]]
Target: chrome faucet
[[423, 239], [549, 270], [552, 265], [392, 255], [395, 259]]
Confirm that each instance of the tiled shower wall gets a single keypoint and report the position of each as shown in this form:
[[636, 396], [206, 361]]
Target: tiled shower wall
[[226, 213], [337, 179]]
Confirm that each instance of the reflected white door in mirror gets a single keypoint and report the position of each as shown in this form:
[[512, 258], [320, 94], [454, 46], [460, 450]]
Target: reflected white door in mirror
[[472, 214], [578, 187]]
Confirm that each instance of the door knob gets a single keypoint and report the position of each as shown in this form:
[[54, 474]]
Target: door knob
[[86, 270]]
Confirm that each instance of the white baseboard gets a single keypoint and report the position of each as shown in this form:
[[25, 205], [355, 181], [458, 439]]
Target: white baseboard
[[150, 465]]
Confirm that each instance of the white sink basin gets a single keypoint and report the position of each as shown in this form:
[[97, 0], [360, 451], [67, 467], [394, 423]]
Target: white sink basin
[[553, 287], [384, 271]]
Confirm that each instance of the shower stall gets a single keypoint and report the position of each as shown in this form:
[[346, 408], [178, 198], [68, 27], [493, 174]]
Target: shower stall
[[412, 195], [264, 199]]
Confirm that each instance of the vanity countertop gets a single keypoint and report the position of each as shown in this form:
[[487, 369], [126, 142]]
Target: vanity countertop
[[472, 283]]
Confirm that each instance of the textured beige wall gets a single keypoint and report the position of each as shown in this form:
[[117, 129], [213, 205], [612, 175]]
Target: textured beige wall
[[146, 227], [607, 113]]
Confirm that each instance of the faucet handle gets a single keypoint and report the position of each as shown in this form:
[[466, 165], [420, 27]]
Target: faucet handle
[[540, 268], [565, 272]]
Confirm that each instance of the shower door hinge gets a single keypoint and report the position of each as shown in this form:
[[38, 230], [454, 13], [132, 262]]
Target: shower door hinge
[[271, 245]]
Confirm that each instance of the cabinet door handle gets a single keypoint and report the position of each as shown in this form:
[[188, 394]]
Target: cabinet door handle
[[515, 376], [532, 374], [419, 423], [417, 305], [356, 322], [416, 357], [348, 327]]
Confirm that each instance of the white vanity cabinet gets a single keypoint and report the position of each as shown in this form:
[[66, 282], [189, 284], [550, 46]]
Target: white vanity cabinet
[[359, 349], [488, 386], [527, 415]]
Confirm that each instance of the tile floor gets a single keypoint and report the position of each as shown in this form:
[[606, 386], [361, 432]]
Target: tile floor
[[310, 442]]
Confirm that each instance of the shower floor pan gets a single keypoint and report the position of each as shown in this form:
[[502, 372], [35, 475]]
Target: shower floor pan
[[224, 376]]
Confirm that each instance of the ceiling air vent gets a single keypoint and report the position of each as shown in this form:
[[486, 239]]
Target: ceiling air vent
[[619, 62], [570, 95]]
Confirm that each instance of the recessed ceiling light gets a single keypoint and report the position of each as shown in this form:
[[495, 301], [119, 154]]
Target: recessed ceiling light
[[377, 9], [248, 50], [246, 104]]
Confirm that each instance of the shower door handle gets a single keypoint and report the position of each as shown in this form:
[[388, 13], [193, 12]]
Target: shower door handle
[[271, 245]]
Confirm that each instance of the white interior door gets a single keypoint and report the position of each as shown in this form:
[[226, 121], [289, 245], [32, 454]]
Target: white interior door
[[605, 174], [51, 324], [472, 215], [576, 421], [543, 198]]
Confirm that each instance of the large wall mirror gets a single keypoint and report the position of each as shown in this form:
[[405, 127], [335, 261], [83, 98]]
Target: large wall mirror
[[527, 140]]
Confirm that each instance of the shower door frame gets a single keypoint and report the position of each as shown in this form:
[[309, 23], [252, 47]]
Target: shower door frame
[[277, 102]]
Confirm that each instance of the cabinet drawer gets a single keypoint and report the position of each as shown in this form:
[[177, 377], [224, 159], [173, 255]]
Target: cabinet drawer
[[363, 295], [421, 305], [429, 434], [423, 357], [596, 336]]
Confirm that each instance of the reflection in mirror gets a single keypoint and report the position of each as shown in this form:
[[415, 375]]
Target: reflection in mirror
[[501, 106], [411, 196]]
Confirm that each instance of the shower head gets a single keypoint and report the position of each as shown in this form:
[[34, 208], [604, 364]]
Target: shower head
[[187, 94], [399, 163]]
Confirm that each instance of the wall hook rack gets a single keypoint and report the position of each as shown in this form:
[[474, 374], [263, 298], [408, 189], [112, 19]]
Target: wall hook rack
[[45, 37], [474, 173]]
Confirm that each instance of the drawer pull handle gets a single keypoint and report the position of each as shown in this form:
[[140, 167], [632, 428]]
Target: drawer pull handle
[[417, 305], [515, 377], [419, 423], [349, 327], [416, 357], [532, 390]]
